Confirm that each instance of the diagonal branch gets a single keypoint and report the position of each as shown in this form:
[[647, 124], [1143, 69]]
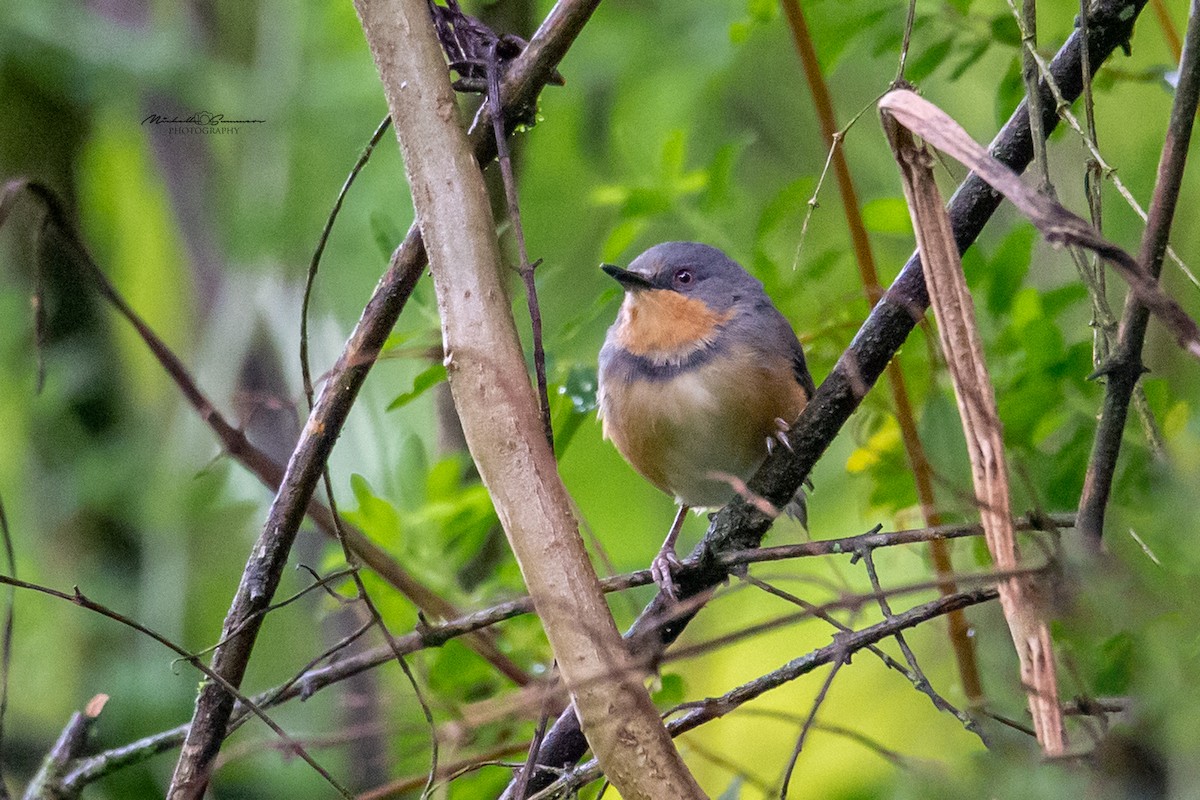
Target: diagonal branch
[[739, 525], [240, 448]]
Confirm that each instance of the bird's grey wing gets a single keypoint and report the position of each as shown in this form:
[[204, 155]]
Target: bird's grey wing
[[800, 368]]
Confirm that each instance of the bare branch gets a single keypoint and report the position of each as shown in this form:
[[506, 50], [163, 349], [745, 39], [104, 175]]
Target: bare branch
[[72, 740], [844, 645], [1124, 369], [499, 411]]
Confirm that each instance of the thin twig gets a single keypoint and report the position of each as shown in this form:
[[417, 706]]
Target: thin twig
[[521, 790], [1027, 21], [235, 443], [843, 646], [786, 780], [915, 673], [1124, 368], [1170, 32], [914, 676], [7, 637], [315, 263], [306, 372], [83, 601], [525, 268], [311, 679], [909, 18], [1063, 110]]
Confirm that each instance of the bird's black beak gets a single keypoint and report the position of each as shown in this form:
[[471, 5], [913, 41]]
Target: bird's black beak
[[632, 281]]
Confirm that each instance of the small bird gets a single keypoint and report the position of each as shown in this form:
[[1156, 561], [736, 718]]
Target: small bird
[[700, 377]]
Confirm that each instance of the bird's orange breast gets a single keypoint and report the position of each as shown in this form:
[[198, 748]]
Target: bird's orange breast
[[666, 326]]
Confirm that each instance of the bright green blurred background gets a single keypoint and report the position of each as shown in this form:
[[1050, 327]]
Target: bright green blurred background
[[678, 121]]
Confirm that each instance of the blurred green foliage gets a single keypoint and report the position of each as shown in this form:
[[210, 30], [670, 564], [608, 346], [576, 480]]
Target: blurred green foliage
[[677, 122]]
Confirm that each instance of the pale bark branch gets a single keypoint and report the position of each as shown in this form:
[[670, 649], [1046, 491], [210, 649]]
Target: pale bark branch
[[499, 413], [524, 79]]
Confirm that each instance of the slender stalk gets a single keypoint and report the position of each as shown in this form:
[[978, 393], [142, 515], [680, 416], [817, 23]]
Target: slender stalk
[[1124, 368], [960, 640]]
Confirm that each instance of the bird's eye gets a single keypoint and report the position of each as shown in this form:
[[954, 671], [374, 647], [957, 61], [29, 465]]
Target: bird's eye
[[684, 277]]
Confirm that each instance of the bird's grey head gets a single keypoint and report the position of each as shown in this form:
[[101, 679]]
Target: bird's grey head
[[693, 270]]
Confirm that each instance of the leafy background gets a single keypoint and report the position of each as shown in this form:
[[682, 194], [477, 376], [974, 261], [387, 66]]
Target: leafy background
[[676, 123]]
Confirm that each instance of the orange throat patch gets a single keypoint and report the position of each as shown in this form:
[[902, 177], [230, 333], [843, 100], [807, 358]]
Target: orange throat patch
[[666, 326]]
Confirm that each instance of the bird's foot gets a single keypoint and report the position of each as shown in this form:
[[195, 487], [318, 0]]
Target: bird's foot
[[662, 568], [780, 436]]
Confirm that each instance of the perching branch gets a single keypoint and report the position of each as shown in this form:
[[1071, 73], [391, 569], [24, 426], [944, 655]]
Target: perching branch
[[739, 525], [316, 678], [1124, 368]]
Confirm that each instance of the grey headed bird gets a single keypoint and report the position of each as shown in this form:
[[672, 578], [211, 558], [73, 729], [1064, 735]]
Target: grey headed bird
[[700, 377]]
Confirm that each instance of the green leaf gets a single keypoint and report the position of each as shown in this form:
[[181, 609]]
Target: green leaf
[[670, 691], [887, 215], [1008, 268], [1116, 665], [1005, 30], [928, 60], [376, 516], [1011, 90], [762, 10], [431, 376], [969, 60], [385, 233]]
